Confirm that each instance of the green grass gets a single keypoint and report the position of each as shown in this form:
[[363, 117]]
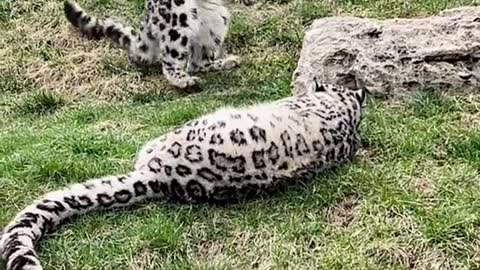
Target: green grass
[[39, 104], [72, 109]]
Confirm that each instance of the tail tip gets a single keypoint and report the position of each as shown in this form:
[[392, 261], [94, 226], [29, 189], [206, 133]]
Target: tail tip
[[72, 12]]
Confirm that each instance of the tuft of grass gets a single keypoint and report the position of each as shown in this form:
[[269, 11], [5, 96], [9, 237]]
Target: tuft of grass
[[115, 65], [313, 10], [279, 33], [163, 237], [465, 146], [430, 102], [11, 9], [11, 83], [241, 33], [5, 12], [40, 103], [148, 97]]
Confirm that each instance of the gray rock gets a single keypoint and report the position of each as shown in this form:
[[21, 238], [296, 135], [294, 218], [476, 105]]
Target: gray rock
[[396, 56]]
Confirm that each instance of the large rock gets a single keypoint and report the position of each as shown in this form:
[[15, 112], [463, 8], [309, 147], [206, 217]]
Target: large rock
[[394, 56]]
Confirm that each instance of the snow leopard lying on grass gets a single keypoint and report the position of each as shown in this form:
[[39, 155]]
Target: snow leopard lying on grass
[[230, 155], [183, 36]]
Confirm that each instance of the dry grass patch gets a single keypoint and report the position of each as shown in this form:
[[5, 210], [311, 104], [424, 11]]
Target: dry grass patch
[[212, 252], [116, 127], [263, 248], [404, 248], [56, 58], [414, 256], [343, 213], [424, 186], [469, 120], [244, 249], [144, 259]]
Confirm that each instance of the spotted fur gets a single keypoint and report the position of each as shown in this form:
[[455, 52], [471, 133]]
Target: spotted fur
[[245, 153], [183, 36]]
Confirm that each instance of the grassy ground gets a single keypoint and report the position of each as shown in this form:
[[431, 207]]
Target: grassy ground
[[72, 109]]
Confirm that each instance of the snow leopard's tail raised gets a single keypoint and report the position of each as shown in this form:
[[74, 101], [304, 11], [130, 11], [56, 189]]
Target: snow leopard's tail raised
[[17, 243], [120, 34]]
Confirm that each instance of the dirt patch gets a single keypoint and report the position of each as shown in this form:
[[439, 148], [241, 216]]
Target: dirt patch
[[424, 186], [342, 214], [212, 252], [369, 154], [116, 127], [145, 259]]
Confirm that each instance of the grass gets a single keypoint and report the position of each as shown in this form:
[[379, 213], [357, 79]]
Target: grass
[[73, 109]]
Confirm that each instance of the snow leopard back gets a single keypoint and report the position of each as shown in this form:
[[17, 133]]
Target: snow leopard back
[[227, 156]]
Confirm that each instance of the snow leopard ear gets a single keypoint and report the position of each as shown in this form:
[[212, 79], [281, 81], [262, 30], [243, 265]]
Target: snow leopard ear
[[361, 94], [319, 87]]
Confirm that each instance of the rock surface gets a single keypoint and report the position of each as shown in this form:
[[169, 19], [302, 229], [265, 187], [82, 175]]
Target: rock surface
[[396, 56]]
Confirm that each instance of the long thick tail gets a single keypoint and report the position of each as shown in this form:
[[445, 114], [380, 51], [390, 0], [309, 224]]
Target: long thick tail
[[122, 35], [17, 242]]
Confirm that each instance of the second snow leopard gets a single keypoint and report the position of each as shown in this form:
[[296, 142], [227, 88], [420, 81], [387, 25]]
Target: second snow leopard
[[225, 156], [183, 36]]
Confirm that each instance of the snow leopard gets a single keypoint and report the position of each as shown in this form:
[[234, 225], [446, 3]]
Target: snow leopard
[[181, 36], [228, 156]]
